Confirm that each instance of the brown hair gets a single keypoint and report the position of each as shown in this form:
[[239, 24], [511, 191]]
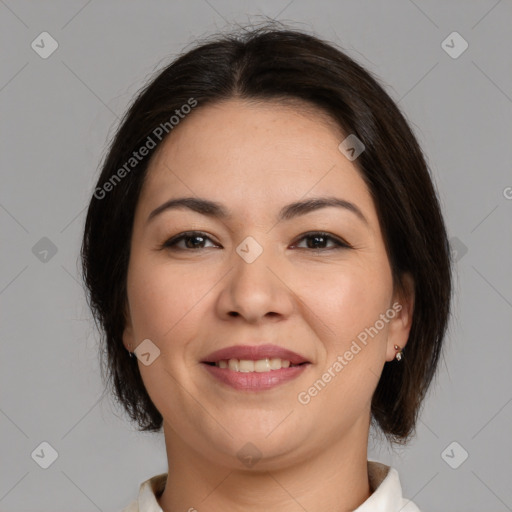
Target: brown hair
[[270, 63]]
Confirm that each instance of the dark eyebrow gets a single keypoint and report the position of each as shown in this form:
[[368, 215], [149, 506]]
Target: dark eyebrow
[[216, 210]]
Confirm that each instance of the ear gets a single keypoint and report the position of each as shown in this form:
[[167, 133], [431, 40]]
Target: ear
[[400, 325], [128, 338]]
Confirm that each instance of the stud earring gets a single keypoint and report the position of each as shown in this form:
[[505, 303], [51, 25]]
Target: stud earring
[[398, 355]]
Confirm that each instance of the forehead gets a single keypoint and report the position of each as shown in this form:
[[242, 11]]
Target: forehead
[[253, 156]]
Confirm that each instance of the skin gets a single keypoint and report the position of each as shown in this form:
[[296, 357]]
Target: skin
[[255, 158]]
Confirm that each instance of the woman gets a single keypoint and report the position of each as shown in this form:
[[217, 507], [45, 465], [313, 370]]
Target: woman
[[267, 259]]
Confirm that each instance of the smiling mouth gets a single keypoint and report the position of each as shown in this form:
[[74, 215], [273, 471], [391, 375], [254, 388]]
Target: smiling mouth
[[256, 366]]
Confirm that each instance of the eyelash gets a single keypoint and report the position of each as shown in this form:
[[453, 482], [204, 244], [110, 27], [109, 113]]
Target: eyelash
[[171, 243]]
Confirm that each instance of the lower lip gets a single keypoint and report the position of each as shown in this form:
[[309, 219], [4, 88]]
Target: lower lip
[[255, 381]]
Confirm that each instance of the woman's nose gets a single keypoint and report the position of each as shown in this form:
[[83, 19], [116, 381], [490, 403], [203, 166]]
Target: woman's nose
[[254, 288]]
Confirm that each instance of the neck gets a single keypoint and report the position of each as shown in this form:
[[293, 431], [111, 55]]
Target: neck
[[335, 479]]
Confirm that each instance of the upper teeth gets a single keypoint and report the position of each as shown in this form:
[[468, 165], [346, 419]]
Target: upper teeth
[[247, 365]]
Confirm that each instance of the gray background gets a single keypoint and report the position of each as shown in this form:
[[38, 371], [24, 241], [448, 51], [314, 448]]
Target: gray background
[[57, 114]]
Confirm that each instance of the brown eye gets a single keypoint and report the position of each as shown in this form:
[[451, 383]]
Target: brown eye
[[319, 239], [191, 239]]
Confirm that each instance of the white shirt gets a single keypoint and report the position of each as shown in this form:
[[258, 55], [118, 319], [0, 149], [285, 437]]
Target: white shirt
[[384, 485]]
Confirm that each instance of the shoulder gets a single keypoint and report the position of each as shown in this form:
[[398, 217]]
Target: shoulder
[[148, 493], [386, 491]]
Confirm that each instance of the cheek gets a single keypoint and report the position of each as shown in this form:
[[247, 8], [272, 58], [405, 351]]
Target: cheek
[[350, 303], [348, 299], [163, 299]]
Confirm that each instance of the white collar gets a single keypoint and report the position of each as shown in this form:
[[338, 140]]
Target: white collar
[[384, 484], [386, 491]]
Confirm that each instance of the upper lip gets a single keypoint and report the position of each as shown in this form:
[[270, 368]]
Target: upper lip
[[254, 353]]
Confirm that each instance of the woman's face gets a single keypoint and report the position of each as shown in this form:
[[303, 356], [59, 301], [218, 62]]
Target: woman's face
[[255, 278]]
